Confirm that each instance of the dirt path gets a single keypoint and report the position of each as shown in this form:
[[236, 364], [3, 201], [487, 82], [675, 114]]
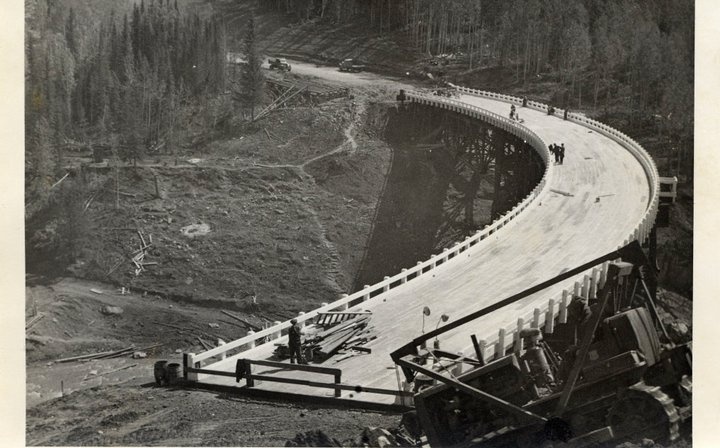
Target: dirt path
[[349, 132]]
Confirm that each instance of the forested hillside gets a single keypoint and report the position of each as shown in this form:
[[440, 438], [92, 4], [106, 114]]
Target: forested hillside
[[133, 77], [641, 50], [120, 79]]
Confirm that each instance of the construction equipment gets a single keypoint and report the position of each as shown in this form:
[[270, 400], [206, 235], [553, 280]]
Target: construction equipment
[[279, 64], [350, 65], [610, 372]]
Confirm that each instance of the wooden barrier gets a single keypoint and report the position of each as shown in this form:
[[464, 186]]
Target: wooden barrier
[[250, 378]]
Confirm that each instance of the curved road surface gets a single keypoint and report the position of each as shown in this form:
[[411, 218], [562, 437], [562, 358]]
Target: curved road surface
[[556, 234]]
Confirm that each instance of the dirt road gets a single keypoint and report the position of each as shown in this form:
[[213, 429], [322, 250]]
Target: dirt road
[[349, 79]]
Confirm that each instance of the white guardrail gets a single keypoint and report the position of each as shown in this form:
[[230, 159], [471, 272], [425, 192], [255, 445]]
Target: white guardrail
[[587, 284]]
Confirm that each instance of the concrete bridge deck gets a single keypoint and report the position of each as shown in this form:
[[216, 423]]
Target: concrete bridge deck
[[556, 233]]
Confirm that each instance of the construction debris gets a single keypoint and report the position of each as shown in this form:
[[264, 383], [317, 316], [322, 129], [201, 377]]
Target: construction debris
[[327, 343], [139, 255]]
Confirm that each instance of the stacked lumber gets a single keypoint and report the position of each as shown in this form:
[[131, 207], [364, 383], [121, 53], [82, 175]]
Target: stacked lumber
[[327, 343]]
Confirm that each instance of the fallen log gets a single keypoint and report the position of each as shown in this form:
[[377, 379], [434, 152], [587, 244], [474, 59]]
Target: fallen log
[[58, 182], [173, 326], [116, 370], [33, 321], [205, 345], [123, 352], [91, 356], [144, 349], [251, 326]]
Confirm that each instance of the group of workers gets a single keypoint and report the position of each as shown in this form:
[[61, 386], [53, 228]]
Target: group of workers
[[558, 151]]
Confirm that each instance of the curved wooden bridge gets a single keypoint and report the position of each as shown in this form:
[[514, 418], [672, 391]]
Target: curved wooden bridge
[[604, 195]]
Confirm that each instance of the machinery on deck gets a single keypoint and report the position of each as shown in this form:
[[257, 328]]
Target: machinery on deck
[[610, 372]]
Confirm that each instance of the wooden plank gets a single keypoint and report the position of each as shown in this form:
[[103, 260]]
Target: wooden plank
[[210, 372], [342, 326], [301, 367], [330, 348], [311, 383]]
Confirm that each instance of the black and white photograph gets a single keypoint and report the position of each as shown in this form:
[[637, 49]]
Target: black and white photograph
[[359, 223]]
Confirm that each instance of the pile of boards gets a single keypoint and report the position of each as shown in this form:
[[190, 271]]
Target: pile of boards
[[350, 334]]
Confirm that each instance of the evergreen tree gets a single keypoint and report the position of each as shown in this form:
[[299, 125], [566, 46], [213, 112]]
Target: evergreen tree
[[252, 80]]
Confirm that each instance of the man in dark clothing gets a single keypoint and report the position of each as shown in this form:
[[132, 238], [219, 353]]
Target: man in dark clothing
[[295, 342], [561, 153], [554, 151]]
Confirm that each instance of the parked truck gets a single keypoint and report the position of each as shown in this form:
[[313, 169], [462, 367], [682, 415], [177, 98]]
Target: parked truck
[[279, 64], [351, 65]]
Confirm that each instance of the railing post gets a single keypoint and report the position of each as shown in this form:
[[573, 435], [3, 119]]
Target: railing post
[[220, 343], [344, 306], [518, 339], [250, 344], [536, 318], [188, 361], [593, 284], [603, 274], [277, 334], [301, 322], [366, 296], [404, 277], [586, 287], [338, 391], [386, 287], [562, 317], [482, 346], [550, 317], [500, 348]]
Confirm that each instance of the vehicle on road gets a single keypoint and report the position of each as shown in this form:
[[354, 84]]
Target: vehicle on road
[[351, 65], [279, 64]]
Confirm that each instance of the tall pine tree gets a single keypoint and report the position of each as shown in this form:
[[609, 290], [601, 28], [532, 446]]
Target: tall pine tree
[[252, 80]]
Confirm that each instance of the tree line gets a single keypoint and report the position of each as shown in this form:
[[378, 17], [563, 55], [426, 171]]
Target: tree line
[[123, 83], [638, 50]]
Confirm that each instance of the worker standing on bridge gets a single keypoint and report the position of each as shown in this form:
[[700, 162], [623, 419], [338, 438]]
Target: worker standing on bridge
[[561, 153], [295, 342], [512, 111], [554, 151]]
